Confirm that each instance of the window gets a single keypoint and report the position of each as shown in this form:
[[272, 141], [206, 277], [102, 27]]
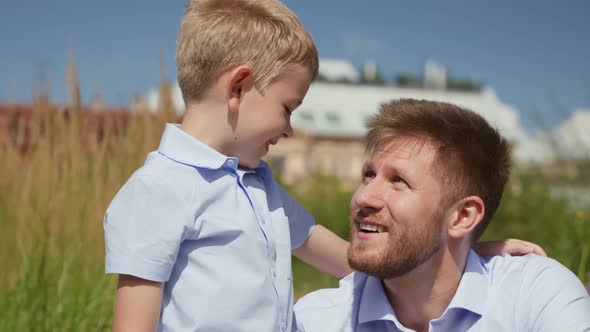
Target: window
[[306, 116], [333, 118]]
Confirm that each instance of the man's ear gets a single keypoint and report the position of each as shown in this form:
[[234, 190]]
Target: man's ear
[[240, 81], [465, 215]]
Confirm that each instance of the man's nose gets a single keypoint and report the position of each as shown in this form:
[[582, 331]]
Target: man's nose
[[369, 196]]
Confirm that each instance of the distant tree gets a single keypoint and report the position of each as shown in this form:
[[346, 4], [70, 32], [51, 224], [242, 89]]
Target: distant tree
[[339, 80], [343, 80], [407, 80], [462, 84], [371, 74], [378, 79], [320, 78]]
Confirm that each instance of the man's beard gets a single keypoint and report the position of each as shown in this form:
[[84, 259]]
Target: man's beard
[[405, 250]]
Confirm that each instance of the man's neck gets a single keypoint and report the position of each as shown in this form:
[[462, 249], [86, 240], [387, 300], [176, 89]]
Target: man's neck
[[424, 293]]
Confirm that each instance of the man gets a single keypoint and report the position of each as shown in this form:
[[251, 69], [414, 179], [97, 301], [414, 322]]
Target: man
[[434, 178]]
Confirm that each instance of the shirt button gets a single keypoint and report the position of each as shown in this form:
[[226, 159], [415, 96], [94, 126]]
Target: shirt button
[[262, 220]]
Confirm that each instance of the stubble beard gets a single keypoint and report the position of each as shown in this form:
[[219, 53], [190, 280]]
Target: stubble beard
[[405, 250]]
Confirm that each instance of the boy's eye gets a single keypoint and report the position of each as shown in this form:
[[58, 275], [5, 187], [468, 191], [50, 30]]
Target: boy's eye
[[287, 110], [397, 179]]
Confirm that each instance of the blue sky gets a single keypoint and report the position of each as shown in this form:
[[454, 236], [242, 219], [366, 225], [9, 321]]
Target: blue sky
[[535, 53]]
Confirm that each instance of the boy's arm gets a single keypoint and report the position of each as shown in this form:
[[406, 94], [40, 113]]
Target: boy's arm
[[137, 304], [325, 251]]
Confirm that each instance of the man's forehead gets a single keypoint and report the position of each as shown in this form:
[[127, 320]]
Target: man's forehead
[[405, 148]]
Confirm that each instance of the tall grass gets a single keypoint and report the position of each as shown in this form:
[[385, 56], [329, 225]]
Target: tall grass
[[61, 167]]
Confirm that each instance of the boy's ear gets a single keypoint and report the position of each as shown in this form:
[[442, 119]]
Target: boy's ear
[[240, 80], [464, 216]]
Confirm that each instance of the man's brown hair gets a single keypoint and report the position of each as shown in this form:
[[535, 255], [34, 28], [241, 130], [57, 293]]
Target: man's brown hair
[[216, 35], [471, 157]]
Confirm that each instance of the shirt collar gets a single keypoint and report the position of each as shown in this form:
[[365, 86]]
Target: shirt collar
[[473, 287], [470, 295], [374, 304], [185, 149], [262, 170]]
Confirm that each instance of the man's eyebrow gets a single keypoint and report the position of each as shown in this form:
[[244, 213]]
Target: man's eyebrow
[[366, 167]]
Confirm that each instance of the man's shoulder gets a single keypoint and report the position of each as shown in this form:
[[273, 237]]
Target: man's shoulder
[[330, 309], [541, 292], [537, 285], [525, 267], [331, 297], [517, 262], [526, 273]]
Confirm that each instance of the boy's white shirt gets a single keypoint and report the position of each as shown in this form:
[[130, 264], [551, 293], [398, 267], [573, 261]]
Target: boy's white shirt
[[219, 237]]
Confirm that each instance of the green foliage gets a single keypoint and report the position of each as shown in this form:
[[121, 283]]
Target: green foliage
[[57, 181], [53, 197], [327, 200], [408, 80], [529, 212], [69, 293], [462, 84]]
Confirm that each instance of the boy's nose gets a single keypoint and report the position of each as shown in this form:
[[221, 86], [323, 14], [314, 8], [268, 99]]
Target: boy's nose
[[288, 132]]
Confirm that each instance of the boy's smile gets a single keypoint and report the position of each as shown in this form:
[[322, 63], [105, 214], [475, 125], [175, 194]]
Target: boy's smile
[[264, 118]]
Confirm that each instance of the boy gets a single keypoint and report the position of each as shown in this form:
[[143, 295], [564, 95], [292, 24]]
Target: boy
[[201, 235]]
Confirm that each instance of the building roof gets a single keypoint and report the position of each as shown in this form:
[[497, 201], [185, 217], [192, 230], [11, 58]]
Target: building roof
[[343, 109], [338, 70]]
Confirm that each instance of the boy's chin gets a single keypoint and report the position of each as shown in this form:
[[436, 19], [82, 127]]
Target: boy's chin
[[249, 163]]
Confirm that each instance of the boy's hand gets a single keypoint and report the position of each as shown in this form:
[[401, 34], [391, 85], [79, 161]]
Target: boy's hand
[[512, 247]]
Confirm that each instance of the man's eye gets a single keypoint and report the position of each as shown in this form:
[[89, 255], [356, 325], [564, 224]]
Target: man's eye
[[287, 110], [368, 175]]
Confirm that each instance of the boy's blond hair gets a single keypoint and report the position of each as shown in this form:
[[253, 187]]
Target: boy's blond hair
[[216, 35]]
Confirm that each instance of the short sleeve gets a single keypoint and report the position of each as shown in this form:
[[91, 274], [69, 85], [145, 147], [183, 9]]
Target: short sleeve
[[301, 223], [144, 226], [556, 301]]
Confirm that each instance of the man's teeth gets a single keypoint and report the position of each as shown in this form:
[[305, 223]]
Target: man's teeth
[[371, 228]]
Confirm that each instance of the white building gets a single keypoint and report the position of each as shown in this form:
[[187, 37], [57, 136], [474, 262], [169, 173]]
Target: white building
[[330, 123], [333, 116]]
